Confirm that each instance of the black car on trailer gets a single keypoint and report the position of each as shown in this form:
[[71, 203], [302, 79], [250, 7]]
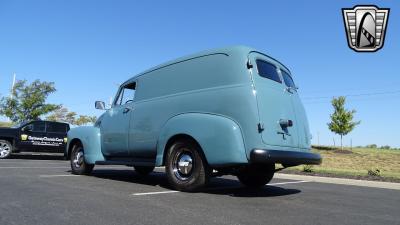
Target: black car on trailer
[[34, 136]]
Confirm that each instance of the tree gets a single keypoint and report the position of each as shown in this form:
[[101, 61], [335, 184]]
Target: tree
[[341, 120], [372, 146], [82, 120], [28, 101], [64, 115]]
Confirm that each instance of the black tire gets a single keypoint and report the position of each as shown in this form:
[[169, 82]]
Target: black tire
[[6, 148], [144, 170], [256, 176], [192, 173], [78, 163]]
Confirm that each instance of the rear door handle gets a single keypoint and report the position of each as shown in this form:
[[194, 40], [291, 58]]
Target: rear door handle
[[286, 123]]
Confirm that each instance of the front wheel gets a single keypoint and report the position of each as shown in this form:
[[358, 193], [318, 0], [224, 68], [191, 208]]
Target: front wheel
[[78, 163], [256, 176], [186, 169], [6, 149]]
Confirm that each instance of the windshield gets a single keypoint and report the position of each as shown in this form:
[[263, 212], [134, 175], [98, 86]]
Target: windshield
[[17, 125]]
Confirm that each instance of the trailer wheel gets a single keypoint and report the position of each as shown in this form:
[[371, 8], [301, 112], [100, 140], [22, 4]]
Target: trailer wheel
[[78, 163], [186, 169], [6, 149]]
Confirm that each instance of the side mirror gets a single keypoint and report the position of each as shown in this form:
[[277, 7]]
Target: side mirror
[[100, 105]]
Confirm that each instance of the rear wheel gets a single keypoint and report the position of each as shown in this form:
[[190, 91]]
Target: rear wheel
[[144, 170], [256, 175], [6, 149], [78, 163], [186, 169]]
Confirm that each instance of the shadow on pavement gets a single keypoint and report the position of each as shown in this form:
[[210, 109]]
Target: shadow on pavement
[[222, 186], [217, 186], [153, 179]]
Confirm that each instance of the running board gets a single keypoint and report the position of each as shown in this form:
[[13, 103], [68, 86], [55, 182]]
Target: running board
[[127, 162]]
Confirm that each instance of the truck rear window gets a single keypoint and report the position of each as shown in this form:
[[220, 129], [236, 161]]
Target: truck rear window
[[288, 80], [38, 126], [267, 70], [56, 127]]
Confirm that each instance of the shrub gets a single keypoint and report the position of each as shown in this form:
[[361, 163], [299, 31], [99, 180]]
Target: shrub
[[385, 147], [308, 168], [374, 172], [327, 148]]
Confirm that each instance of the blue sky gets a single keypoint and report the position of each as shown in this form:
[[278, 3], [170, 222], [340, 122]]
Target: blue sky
[[88, 47]]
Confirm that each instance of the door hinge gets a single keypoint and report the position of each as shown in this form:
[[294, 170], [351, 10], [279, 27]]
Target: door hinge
[[249, 65], [260, 127]]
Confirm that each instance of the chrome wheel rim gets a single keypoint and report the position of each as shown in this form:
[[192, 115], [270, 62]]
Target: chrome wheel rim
[[5, 149], [78, 159], [183, 165]]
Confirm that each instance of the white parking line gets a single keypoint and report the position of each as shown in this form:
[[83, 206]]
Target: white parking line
[[154, 193], [32, 167], [59, 175], [33, 162], [290, 182], [216, 189]]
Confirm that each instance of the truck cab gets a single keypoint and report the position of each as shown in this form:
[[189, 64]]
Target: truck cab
[[33, 136]]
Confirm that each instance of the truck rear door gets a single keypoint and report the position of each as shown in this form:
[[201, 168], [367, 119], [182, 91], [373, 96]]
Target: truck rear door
[[56, 134], [275, 105], [303, 129]]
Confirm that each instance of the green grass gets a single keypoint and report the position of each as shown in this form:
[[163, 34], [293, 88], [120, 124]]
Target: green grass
[[5, 124], [357, 162]]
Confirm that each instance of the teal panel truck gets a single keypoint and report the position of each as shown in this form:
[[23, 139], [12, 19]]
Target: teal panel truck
[[225, 111]]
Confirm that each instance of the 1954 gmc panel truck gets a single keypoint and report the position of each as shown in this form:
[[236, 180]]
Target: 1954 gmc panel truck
[[225, 111]]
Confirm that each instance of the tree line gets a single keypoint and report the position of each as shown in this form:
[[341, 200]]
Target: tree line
[[27, 102]]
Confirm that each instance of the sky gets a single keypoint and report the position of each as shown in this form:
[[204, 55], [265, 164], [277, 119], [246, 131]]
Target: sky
[[88, 47]]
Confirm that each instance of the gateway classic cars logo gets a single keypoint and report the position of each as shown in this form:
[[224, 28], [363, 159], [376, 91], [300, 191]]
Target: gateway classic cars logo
[[43, 141], [365, 27]]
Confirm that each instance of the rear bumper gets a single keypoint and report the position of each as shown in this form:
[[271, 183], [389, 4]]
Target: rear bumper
[[287, 158]]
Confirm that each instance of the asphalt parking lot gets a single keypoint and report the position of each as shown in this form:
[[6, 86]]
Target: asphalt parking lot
[[39, 189]]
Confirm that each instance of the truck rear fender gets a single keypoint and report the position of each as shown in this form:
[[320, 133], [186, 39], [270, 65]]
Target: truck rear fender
[[219, 137]]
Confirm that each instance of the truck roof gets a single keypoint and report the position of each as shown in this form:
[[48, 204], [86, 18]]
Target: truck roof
[[231, 50], [26, 122]]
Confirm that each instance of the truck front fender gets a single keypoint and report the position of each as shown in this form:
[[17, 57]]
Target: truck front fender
[[90, 138], [219, 137]]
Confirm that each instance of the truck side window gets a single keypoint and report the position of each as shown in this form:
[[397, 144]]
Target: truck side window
[[56, 127], [126, 94], [38, 126], [288, 80], [267, 70]]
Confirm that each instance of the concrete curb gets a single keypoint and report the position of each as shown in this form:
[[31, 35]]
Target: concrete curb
[[342, 181]]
